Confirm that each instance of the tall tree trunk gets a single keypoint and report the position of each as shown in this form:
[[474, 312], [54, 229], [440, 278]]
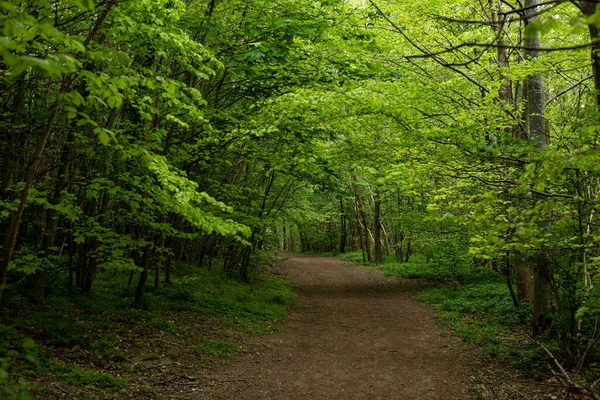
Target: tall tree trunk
[[363, 227], [524, 277], [588, 8], [343, 229], [542, 291], [141, 286], [508, 272], [359, 230], [168, 269], [542, 271], [377, 231], [535, 83]]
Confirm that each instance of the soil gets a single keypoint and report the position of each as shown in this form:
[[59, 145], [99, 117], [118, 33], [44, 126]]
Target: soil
[[352, 334]]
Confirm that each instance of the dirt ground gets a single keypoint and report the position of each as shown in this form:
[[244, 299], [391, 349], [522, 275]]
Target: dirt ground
[[352, 334]]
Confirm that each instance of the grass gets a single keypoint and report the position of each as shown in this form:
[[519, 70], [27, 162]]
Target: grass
[[217, 348], [253, 308], [418, 268], [80, 376]]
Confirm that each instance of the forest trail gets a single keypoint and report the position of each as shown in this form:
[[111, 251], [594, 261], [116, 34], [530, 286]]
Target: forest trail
[[352, 334]]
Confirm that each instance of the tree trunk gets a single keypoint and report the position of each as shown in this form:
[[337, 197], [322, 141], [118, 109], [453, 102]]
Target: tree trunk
[[524, 275], [343, 229], [157, 276], [168, 269], [588, 8], [535, 83], [508, 273], [39, 286], [542, 272], [363, 227], [139, 290], [542, 301], [377, 232]]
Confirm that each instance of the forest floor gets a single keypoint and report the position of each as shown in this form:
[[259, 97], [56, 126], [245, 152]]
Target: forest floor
[[352, 334]]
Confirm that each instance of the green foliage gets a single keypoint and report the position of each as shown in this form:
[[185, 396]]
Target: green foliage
[[17, 355], [443, 268], [167, 326], [485, 301], [442, 274], [61, 330], [251, 306], [354, 256]]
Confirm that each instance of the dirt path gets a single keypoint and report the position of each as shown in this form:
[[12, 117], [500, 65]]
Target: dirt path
[[352, 334]]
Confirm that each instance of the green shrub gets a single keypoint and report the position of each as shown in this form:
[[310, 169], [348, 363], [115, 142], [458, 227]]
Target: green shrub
[[355, 256], [60, 330], [249, 305], [166, 325], [15, 361]]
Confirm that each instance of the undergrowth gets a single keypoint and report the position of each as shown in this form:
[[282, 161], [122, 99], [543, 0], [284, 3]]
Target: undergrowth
[[81, 338]]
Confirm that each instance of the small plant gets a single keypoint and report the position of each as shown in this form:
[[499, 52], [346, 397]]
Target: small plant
[[166, 325], [80, 376], [15, 361], [104, 347], [60, 330], [217, 348]]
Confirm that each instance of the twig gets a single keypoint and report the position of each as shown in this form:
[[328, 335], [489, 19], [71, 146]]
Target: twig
[[173, 343], [213, 379], [161, 365], [544, 384], [56, 385], [565, 375]]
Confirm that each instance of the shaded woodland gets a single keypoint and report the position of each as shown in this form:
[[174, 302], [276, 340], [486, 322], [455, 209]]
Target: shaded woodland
[[147, 142]]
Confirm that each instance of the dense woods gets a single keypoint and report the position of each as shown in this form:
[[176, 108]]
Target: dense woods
[[146, 139]]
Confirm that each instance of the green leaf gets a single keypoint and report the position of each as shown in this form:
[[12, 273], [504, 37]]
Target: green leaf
[[533, 28], [85, 5]]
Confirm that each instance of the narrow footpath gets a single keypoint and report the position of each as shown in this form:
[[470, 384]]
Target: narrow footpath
[[352, 334]]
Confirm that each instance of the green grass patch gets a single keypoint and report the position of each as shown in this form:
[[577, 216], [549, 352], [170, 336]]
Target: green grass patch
[[253, 307], [80, 376], [217, 348], [482, 313], [441, 272], [353, 256], [18, 358]]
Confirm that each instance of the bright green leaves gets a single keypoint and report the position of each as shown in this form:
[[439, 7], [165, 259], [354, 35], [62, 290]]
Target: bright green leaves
[[594, 19], [179, 195], [542, 27], [84, 5], [28, 43]]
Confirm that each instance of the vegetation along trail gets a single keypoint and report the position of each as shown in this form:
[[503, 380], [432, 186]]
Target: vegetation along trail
[[353, 334]]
